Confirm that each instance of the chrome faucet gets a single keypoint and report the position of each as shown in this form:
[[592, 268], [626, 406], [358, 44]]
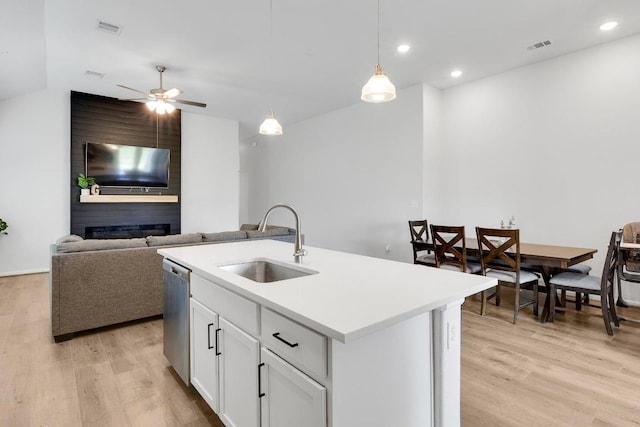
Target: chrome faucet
[[298, 252]]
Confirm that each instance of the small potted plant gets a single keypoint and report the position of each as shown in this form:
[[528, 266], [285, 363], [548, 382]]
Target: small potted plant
[[3, 227], [85, 183]]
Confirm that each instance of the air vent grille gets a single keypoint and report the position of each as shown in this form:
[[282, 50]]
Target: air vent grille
[[539, 45], [94, 74], [109, 27]]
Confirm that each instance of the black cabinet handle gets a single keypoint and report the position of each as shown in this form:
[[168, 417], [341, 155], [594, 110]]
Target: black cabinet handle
[[260, 394], [217, 345], [277, 336], [209, 336]]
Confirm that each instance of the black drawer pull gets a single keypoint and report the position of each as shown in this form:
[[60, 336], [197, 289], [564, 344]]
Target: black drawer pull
[[209, 346], [217, 342], [277, 336], [260, 393]]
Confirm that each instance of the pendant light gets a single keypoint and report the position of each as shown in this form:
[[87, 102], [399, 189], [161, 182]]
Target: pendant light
[[270, 126], [379, 88]]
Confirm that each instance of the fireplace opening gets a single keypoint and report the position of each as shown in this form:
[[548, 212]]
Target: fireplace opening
[[126, 231]]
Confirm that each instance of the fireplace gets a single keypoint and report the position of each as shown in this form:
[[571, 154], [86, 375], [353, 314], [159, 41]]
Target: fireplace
[[126, 231]]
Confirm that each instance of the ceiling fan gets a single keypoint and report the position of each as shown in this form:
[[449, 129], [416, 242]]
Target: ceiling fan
[[161, 100]]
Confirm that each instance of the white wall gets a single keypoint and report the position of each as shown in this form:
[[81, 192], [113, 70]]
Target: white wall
[[34, 174], [210, 163], [555, 144], [431, 153], [354, 175]]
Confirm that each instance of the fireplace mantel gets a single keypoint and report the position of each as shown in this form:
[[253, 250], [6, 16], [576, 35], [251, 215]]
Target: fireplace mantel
[[129, 198]]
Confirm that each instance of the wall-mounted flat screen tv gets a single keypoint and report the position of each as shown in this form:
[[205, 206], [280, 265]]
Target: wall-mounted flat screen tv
[[127, 165]]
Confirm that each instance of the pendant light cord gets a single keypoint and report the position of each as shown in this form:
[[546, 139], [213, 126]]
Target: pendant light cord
[[269, 71], [378, 32]]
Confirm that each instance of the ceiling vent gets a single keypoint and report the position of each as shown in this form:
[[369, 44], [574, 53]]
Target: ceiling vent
[[539, 45], [94, 74], [109, 28]]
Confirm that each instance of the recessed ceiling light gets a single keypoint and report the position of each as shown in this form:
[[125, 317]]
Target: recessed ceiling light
[[608, 26], [403, 48], [456, 73]]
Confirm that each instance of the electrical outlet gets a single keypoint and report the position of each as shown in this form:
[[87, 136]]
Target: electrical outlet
[[452, 334]]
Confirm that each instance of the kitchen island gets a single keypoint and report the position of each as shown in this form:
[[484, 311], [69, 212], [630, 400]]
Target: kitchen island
[[353, 341]]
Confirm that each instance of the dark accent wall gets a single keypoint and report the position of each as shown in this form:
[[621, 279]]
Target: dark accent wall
[[108, 120]]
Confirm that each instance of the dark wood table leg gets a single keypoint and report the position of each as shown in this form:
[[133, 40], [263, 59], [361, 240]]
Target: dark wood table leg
[[546, 276]]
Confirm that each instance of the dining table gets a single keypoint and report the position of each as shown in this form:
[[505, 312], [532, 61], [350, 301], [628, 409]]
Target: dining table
[[545, 259]]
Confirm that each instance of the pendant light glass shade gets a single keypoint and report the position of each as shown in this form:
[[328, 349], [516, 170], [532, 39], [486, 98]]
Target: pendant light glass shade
[[270, 126], [379, 88]]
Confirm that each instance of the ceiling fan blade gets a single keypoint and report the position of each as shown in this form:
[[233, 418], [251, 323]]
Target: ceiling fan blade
[[135, 90], [196, 104], [172, 92]]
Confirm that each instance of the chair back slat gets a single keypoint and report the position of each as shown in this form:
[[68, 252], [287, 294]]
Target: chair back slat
[[419, 230], [445, 239], [499, 249], [611, 262]]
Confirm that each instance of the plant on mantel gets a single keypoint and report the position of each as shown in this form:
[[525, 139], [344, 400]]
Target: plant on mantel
[[3, 227], [85, 182]]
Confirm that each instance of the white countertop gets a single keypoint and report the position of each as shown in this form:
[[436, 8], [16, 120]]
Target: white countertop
[[351, 296]]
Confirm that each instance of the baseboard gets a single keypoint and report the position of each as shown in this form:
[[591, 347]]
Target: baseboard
[[23, 272]]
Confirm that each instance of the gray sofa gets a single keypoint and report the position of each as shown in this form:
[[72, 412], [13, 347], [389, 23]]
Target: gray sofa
[[95, 283]]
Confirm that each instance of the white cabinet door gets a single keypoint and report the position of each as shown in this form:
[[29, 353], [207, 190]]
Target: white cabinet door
[[289, 397], [238, 364], [204, 363]]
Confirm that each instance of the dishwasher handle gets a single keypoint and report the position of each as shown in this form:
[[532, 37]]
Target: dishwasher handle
[[175, 269]]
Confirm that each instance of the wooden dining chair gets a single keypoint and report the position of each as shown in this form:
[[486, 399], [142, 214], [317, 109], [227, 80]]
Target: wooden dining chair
[[419, 230], [450, 249], [629, 260], [590, 285], [500, 258]]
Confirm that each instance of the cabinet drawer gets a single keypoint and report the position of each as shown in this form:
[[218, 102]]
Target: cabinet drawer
[[238, 310], [299, 345]]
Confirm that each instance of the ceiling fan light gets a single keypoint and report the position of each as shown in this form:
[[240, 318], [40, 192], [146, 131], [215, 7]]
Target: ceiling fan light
[[169, 108], [270, 126], [379, 88], [151, 105], [161, 107]]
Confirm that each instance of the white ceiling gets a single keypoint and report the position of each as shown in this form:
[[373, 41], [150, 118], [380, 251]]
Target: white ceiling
[[323, 51]]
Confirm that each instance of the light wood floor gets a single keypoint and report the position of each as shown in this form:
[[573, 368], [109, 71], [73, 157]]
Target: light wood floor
[[567, 373], [115, 377]]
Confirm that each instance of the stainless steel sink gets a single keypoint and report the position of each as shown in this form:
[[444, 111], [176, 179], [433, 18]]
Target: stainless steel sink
[[265, 271]]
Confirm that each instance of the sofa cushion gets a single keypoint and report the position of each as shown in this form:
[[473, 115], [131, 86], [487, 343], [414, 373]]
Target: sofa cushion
[[100, 244], [174, 239], [270, 231], [69, 238], [224, 235]]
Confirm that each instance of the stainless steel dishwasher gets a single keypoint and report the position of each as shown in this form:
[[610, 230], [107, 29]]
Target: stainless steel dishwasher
[[176, 317]]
